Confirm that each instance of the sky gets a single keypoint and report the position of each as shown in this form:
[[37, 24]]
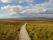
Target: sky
[[26, 8]]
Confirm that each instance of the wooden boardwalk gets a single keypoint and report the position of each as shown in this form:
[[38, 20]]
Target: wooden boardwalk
[[23, 33]]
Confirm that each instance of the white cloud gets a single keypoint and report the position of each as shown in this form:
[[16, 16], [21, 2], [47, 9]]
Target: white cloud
[[18, 1], [28, 10], [29, 1], [32, 9], [13, 9], [20, 10], [38, 8], [5, 1]]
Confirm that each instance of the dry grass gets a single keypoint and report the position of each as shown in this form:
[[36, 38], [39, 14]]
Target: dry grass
[[9, 30], [40, 30]]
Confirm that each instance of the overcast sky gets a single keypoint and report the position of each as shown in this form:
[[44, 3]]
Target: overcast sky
[[26, 8]]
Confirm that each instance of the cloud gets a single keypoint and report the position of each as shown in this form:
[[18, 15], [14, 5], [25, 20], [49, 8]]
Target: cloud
[[13, 9], [16, 10], [5, 1], [29, 1], [33, 11], [18, 1], [51, 2], [29, 10]]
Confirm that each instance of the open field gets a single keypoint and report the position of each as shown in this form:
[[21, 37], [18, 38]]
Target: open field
[[9, 30], [40, 30]]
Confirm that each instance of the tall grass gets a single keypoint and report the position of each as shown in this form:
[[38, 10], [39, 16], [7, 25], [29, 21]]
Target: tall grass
[[40, 30], [10, 30]]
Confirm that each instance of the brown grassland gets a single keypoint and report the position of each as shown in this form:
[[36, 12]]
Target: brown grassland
[[9, 30], [40, 30], [37, 29]]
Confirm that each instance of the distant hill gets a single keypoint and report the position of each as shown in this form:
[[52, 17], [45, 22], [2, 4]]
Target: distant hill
[[29, 18]]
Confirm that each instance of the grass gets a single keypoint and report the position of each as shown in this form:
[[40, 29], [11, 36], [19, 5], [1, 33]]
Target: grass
[[9, 30], [40, 30]]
